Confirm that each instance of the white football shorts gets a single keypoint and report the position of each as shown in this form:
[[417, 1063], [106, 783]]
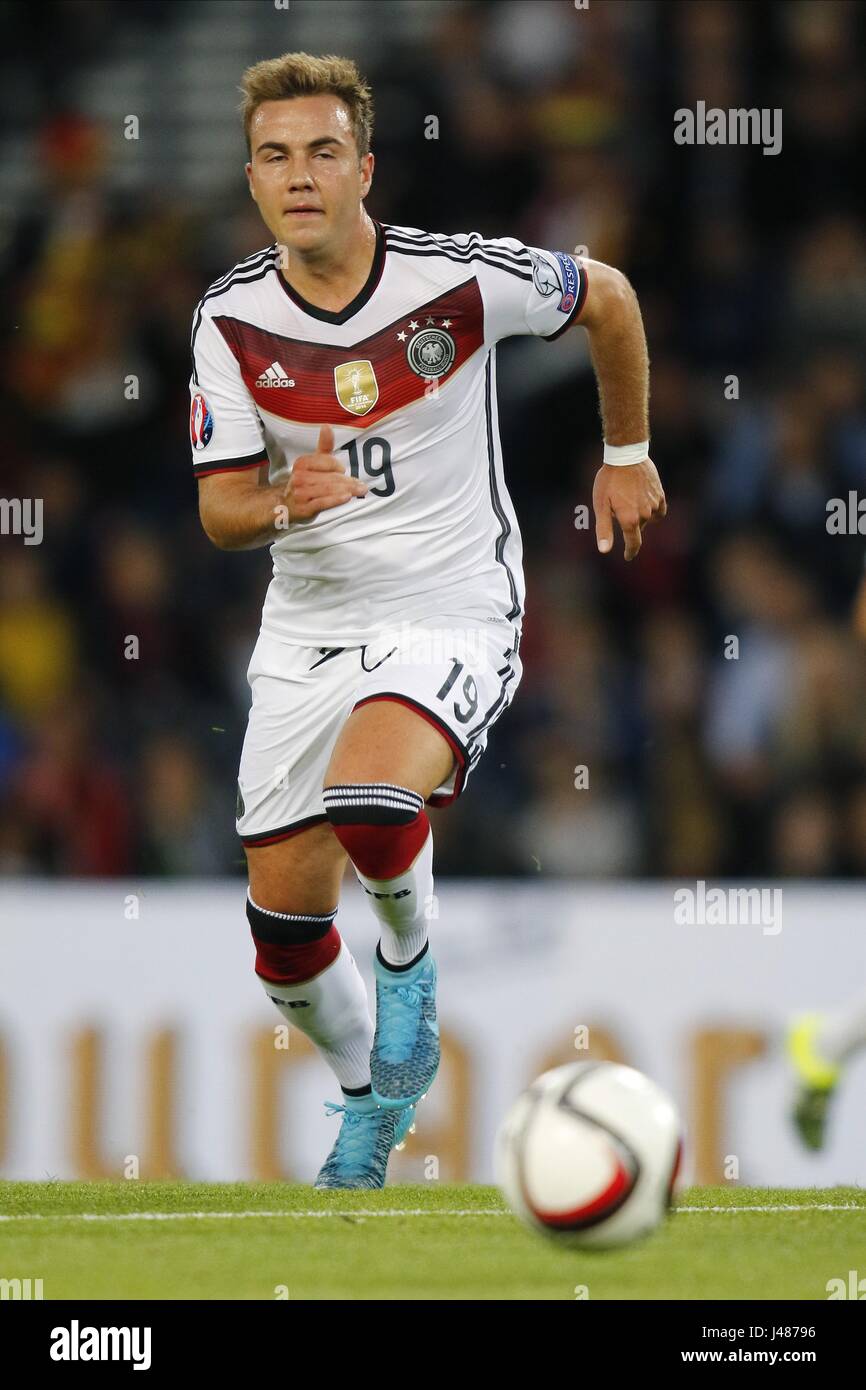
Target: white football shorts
[[458, 677]]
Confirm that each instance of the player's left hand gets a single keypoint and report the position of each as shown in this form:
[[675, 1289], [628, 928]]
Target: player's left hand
[[634, 496]]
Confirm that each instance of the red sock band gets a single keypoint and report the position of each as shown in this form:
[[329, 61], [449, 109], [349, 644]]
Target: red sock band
[[298, 962], [383, 851]]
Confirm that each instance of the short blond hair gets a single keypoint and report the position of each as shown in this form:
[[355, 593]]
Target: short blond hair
[[304, 75]]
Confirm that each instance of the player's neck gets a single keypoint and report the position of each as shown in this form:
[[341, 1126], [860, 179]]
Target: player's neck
[[331, 280]]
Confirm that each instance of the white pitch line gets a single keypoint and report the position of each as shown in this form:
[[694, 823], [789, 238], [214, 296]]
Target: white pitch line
[[791, 1206], [366, 1214], [237, 1215]]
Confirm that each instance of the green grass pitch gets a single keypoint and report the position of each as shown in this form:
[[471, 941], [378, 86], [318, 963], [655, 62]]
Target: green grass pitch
[[270, 1240]]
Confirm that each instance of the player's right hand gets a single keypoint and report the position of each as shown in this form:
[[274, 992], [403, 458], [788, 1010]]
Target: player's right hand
[[320, 480]]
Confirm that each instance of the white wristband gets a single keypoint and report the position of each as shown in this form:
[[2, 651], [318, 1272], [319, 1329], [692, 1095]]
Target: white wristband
[[621, 455]]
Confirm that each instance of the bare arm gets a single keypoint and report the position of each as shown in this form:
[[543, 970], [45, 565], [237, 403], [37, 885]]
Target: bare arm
[[617, 343], [242, 511], [238, 511]]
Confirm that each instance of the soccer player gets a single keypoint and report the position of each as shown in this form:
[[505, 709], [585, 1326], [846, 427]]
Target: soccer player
[[344, 413], [820, 1046]]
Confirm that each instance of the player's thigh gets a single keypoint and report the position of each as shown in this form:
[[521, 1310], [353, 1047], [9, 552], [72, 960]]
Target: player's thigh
[[430, 693], [384, 741], [300, 874]]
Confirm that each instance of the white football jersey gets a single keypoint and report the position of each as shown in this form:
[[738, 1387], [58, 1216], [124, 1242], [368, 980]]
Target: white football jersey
[[406, 376]]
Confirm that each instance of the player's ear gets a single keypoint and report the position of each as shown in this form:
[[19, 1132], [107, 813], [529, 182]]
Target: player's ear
[[367, 164], [248, 170]]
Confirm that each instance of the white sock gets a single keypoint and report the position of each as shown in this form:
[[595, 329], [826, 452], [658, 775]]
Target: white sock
[[333, 1011], [842, 1032], [401, 905]]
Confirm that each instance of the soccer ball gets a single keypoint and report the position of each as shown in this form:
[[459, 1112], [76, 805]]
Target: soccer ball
[[589, 1154]]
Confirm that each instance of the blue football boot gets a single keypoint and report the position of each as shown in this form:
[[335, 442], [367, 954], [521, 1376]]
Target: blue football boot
[[405, 1055], [367, 1135]]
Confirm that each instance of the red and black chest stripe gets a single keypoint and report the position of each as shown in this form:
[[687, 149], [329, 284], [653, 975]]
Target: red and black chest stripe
[[320, 383]]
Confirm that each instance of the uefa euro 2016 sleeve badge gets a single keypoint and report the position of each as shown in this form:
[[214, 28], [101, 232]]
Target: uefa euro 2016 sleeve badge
[[200, 422]]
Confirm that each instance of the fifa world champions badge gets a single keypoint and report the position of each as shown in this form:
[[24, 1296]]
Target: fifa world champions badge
[[200, 422]]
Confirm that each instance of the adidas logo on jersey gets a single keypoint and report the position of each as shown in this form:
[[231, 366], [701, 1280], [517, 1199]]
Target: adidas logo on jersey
[[275, 376]]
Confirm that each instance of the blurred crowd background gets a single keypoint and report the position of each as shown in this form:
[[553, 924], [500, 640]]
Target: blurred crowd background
[[555, 126]]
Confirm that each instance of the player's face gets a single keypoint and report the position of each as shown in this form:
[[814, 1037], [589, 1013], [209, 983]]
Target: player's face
[[305, 173]]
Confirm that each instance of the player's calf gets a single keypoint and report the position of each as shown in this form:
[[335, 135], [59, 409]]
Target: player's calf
[[386, 833], [308, 971]]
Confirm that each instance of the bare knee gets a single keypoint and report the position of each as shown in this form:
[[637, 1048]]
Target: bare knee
[[301, 874], [383, 741]]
